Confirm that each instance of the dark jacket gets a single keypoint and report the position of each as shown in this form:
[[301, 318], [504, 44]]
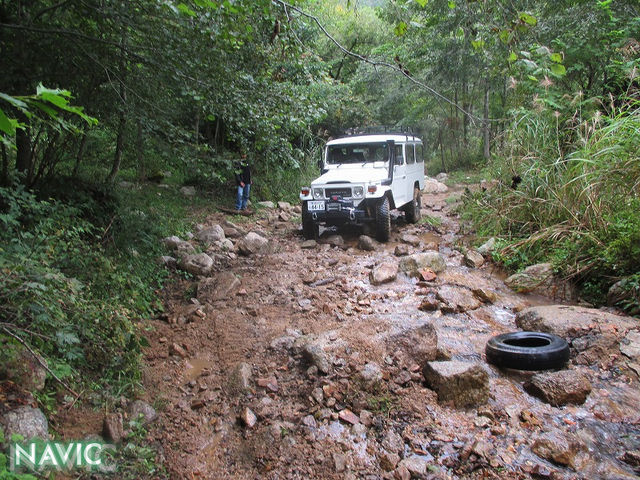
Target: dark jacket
[[243, 174]]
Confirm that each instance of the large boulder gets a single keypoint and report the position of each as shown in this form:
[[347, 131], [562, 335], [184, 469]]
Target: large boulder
[[196, 264], [25, 421], [431, 185], [559, 388], [211, 235], [461, 384], [252, 244], [593, 334], [412, 264], [572, 322], [415, 346], [20, 366], [367, 243], [540, 279], [220, 287], [557, 448]]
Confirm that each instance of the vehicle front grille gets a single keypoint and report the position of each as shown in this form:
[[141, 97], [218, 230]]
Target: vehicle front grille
[[344, 192]]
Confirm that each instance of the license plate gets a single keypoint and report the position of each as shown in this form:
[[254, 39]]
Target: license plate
[[315, 206]]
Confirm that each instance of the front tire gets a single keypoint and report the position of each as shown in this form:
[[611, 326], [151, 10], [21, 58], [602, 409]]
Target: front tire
[[310, 229], [383, 220], [413, 213]]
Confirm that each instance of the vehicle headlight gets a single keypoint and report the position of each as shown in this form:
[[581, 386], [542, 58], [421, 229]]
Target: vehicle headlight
[[358, 192], [318, 193]]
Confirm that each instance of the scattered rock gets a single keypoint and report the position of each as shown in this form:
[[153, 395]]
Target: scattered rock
[[339, 462], [460, 383], [413, 240], [442, 176], [556, 448], [267, 204], [417, 465], [315, 354], [401, 473], [427, 275], [393, 443], [177, 350], [112, 427], [172, 242], [168, 261], [367, 243], [487, 247], [632, 457], [308, 244], [185, 248], [139, 408], [456, 299], [348, 416], [630, 345], [25, 421], [211, 235], [383, 273], [248, 418], [559, 388], [284, 206], [401, 250], [334, 241], [241, 377], [222, 286], [432, 260], [371, 375], [416, 346], [389, 461], [196, 264], [473, 259], [431, 185], [252, 244], [188, 191], [623, 291]]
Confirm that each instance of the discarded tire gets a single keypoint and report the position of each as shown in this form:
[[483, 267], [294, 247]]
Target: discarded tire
[[527, 351]]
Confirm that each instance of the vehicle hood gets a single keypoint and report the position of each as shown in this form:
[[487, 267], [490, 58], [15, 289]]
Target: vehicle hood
[[348, 174]]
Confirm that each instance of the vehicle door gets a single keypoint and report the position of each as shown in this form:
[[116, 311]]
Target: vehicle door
[[415, 166], [399, 185]]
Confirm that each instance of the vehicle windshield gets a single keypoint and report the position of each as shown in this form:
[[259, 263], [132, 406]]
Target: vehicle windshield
[[357, 153]]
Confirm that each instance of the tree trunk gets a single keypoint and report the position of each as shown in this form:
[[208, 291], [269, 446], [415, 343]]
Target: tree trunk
[[142, 173], [122, 120], [80, 154], [197, 129], [485, 122], [24, 155], [5, 165]]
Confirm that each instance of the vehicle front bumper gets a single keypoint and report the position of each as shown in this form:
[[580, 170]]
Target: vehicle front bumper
[[334, 211]]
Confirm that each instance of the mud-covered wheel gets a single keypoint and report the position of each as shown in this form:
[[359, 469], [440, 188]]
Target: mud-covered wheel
[[310, 229], [527, 351], [412, 212], [383, 220]]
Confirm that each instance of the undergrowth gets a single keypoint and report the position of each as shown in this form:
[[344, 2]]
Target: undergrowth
[[578, 204]]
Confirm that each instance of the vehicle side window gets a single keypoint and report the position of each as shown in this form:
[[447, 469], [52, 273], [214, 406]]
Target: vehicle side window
[[410, 155], [419, 153], [399, 155]]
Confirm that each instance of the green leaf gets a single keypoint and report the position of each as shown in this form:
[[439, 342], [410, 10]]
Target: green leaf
[[512, 57], [6, 125], [556, 57], [505, 36], [558, 69], [452, 4], [186, 10], [13, 101], [477, 44], [528, 19], [422, 3], [401, 29]]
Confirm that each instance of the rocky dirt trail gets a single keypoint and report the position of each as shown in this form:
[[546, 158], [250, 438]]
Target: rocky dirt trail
[[289, 359]]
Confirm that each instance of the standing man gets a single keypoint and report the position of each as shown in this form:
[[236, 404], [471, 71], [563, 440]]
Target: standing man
[[243, 181]]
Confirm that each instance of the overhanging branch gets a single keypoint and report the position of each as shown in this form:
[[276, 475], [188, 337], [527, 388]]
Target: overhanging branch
[[375, 63]]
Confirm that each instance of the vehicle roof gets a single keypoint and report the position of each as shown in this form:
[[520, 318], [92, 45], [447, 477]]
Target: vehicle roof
[[373, 139]]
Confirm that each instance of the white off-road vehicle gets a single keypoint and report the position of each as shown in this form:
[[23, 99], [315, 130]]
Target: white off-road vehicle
[[363, 178]]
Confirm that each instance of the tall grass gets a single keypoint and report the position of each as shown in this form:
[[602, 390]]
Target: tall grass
[[578, 204]]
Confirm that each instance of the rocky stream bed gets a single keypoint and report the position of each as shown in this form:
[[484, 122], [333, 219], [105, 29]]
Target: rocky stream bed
[[282, 358]]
